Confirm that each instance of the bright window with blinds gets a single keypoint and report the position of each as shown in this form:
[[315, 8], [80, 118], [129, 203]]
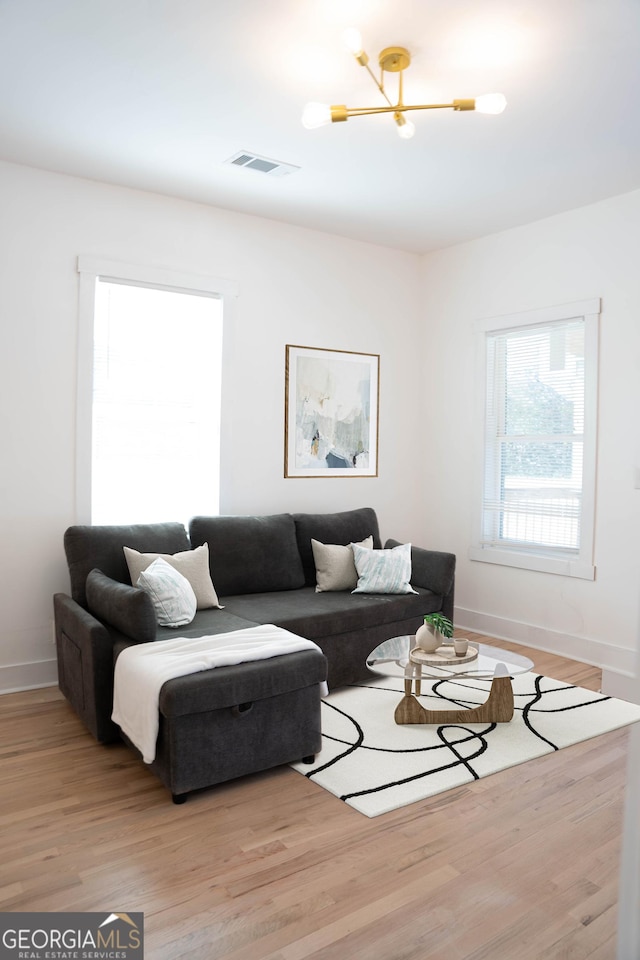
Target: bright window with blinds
[[538, 440]]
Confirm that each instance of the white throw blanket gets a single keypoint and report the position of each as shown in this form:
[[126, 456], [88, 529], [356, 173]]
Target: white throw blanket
[[141, 671]]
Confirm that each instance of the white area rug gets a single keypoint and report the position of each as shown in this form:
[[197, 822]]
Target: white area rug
[[376, 765]]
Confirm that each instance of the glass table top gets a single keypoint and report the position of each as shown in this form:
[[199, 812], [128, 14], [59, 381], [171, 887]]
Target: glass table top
[[391, 658]]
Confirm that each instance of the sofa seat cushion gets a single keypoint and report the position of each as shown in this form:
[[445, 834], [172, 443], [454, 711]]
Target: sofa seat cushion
[[207, 623], [242, 683], [317, 615], [250, 554]]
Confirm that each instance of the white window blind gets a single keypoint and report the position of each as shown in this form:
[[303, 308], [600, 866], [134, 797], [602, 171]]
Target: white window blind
[[539, 442], [535, 436]]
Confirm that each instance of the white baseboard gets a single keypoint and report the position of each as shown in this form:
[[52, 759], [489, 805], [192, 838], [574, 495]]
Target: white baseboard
[[28, 676], [619, 660]]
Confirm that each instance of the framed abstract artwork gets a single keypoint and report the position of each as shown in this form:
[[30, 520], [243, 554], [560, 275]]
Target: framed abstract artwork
[[331, 413]]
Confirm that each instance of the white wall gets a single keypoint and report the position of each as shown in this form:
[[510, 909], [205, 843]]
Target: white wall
[[296, 286], [589, 252], [304, 287]]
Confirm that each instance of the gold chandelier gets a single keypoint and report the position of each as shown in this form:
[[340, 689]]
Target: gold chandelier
[[391, 60]]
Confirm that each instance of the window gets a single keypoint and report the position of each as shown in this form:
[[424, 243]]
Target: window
[[538, 372], [149, 395]]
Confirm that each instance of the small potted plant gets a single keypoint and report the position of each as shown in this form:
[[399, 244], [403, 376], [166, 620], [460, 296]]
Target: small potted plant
[[435, 629]]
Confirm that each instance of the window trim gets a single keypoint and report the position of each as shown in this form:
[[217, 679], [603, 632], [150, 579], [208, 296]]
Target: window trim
[[579, 565], [90, 270]]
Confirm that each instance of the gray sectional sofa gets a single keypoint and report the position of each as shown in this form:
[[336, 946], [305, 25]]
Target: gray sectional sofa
[[263, 571]]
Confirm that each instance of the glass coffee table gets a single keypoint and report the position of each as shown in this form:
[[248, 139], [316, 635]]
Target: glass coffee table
[[398, 657]]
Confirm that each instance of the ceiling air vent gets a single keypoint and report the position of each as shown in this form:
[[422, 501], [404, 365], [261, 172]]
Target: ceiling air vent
[[251, 161]]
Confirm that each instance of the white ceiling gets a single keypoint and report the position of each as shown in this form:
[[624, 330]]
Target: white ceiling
[[156, 94]]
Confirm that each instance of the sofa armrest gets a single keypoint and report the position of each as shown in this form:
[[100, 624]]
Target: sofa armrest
[[85, 666], [432, 570], [128, 609]]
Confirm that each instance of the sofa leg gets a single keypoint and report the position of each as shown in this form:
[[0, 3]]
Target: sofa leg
[[179, 797], [309, 759]]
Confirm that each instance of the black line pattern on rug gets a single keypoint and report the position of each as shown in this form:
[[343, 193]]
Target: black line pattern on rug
[[528, 707], [539, 696], [435, 691], [435, 746], [345, 753], [459, 761], [446, 744], [453, 744]]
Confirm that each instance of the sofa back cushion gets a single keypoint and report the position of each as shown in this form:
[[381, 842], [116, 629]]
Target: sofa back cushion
[[350, 526], [88, 547], [250, 554]]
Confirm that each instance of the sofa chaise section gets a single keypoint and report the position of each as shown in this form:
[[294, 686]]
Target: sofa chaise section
[[225, 723]]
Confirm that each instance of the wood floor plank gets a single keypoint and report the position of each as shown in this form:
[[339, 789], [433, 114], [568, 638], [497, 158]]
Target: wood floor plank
[[522, 865]]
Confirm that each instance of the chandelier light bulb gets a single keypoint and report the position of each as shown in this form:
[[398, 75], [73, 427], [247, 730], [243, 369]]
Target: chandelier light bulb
[[316, 115], [491, 103], [407, 131], [353, 41], [406, 128]]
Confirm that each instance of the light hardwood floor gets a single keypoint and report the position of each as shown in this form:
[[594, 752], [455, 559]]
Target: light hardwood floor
[[522, 865]]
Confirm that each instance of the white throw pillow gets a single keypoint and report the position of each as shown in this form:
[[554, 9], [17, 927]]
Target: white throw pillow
[[192, 564], [335, 567], [171, 594], [383, 571]]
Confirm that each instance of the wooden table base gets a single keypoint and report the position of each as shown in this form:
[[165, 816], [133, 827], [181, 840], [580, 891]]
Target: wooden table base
[[498, 708]]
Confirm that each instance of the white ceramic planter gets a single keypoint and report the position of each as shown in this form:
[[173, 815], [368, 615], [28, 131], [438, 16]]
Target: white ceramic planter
[[428, 639]]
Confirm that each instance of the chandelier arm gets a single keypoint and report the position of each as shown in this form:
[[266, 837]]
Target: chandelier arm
[[379, 84], [401, 108]]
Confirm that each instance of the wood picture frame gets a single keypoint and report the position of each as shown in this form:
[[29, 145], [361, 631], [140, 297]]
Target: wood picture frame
[[331, 412]]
